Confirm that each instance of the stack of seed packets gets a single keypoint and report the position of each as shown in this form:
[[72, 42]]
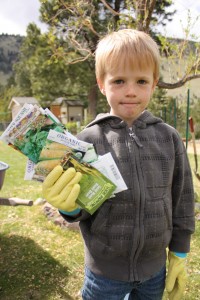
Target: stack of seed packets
[[28, 131], [39, 135], [101, 177]]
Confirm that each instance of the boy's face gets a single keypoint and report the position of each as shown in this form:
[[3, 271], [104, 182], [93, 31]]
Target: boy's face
[[128, 91]]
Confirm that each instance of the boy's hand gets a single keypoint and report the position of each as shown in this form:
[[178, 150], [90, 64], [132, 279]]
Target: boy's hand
[[61, 189], [176, 277]]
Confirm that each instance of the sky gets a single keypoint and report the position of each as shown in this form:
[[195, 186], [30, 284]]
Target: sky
[[184, 8], [15, 15]]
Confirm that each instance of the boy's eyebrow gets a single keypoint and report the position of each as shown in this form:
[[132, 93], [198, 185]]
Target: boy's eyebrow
[[121, 76], [144, 77], [117, 76]]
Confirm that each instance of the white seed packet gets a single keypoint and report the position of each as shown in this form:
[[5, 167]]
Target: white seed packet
[[29, 171], [107, 166], [68, 140], [87, 151], [26, 109]]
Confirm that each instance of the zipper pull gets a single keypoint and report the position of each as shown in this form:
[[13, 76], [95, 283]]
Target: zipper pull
[[135, 138]]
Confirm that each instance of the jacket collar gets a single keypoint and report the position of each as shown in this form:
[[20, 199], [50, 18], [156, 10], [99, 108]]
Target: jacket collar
[[145, 119]]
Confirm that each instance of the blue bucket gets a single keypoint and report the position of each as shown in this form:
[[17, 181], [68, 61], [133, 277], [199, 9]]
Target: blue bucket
[[3, 168]]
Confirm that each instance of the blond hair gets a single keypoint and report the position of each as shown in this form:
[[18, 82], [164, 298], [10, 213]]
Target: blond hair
[[126, 47]]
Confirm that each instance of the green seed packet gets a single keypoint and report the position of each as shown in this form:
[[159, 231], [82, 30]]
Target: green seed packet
[[95, 187]]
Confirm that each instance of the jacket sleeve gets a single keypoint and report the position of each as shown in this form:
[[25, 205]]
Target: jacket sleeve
[[183, 220]]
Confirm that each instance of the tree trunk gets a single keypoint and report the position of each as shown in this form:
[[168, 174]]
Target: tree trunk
[[92, 99]]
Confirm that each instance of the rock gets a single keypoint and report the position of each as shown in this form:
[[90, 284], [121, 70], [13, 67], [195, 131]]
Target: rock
[[39, 201], [53, 215]]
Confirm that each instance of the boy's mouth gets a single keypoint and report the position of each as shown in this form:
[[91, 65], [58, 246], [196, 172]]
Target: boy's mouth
[[130, 103]]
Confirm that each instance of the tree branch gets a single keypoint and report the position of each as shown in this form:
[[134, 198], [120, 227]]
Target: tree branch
[[114, 12], [150, 9], [177, 84], [144, 11], [87, 23], [77, 60], [110, 8]]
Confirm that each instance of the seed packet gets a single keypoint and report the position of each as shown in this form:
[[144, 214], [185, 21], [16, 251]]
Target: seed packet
[[95, 187], [107, 166], [84, 151], [50, 156], [28, 132], [12, 128]]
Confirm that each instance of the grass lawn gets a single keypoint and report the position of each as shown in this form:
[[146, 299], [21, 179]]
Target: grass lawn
[[39, 260]]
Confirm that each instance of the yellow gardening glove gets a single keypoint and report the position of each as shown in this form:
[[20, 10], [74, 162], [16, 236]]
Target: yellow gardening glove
[[61, 189], [176, 277]]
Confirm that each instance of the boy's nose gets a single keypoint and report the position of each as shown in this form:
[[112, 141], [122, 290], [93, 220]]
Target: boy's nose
[[131, 90]]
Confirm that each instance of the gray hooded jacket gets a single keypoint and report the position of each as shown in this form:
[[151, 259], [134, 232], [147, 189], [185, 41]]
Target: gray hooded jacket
[[126, 239]]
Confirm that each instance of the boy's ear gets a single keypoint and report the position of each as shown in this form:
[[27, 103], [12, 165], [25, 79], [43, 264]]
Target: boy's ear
[[101, 87], [154, 85]]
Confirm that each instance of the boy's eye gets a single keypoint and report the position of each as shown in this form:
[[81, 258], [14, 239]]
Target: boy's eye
[[119, 81], [142, 81]]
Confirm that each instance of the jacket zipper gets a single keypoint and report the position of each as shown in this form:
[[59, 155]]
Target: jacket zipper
[[138, 194], [134, 137]]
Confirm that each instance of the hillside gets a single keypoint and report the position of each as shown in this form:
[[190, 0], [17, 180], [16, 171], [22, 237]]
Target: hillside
[[9, 51]]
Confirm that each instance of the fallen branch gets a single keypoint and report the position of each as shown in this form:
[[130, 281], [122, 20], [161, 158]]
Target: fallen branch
[[15, 201]]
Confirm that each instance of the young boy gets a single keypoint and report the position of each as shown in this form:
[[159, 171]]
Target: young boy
[[126, 239]]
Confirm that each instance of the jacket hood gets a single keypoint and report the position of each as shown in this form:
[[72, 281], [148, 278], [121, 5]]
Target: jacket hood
[[145, 119]]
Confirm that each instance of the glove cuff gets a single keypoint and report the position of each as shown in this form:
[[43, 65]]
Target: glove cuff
[[70, 213], [180, 254]]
